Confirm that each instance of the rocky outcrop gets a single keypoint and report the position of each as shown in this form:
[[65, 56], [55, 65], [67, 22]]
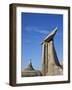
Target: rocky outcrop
[[50, 62], [29, 71]]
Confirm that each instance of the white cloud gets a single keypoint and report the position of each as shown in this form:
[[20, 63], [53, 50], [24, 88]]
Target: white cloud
[[37, 30]]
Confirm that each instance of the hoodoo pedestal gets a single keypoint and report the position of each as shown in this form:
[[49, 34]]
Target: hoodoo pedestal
[[50, 62]]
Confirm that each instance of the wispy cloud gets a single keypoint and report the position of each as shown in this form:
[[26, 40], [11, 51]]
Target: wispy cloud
[[37, 30], [42, 31]]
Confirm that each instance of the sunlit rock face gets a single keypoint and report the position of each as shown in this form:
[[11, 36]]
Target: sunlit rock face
[[56, 70], [50, 62]]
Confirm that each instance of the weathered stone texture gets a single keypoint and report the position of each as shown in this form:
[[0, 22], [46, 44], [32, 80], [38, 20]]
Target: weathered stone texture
[[50, 62], [29, 71]]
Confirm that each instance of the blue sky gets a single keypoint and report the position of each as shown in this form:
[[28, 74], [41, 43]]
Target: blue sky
[[35, 27]]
